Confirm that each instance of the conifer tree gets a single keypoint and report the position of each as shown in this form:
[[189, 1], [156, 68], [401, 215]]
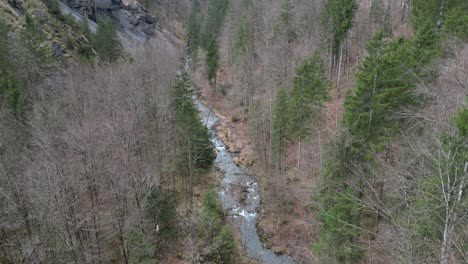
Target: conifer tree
[[33, 39], [287, 20], [337, 17], [9, 85], [244, 37], [195, 148], [309, 92], [279, 128], [384, 84], [212, 59], [106, 42], [193, 28], [377, 11], [217, 10], [195, 135]]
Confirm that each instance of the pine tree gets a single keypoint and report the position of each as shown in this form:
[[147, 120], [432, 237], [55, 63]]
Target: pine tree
[[309, 92], [212, 59], [106, 42], [194, 149], [279, 128]]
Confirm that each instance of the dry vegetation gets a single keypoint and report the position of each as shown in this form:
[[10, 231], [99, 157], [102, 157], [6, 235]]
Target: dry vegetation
[[287, 222]]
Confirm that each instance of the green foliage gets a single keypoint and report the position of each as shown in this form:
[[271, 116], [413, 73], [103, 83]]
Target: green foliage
[[440, 204], [456, 21], [53, 6], [341, 226], [244, 38], [211, 215], [195, 142], [212, 59], [160, 208], [33, 39], [384, 86], [225, 243], [279, 127], [217, 10], [142, 250], [286, 26], [438, 14], [336, 18], [462, 121], [106, 42], [193, 28], [377, 10], [222, 241], [309, 92], [210, 203], [9, 84]]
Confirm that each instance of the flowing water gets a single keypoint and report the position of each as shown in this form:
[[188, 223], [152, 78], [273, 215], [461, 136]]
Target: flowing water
[[239, 196]]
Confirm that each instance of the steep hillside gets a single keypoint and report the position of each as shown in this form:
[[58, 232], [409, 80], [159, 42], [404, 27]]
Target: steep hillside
[[333, 179]]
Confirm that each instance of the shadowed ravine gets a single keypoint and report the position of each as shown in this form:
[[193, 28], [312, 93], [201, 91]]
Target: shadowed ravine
[[239, 195]]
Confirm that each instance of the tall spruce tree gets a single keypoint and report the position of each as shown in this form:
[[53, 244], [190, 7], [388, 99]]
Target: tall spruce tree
[[384, 85], [217, 10], [212, 59], [195, 148], [279, 128], [336, 18], [193, 28], [309, 92], [195, 136]]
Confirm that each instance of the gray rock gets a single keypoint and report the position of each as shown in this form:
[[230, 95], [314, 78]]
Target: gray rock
[[134, 20], [57, 50]]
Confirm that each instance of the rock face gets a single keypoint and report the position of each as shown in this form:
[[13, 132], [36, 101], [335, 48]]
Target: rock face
[[128, 18]]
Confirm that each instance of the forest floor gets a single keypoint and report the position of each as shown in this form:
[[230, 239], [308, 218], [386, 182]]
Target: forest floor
[[287, 222]]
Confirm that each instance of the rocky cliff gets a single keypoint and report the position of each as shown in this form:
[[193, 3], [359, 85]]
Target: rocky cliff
[[127, 16]]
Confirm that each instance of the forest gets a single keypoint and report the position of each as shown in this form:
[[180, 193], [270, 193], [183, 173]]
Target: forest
[[234, 131]]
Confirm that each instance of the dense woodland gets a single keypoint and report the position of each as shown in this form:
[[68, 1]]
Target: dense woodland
[[351, 114]]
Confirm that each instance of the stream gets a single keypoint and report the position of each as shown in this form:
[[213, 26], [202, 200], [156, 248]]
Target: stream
[[239, 196]]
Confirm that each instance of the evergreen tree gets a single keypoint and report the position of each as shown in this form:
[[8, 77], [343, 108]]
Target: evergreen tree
[[212, 60], [225, 246], [217, 10], [309, 92], [195, 138], [33, 39], [451, 14], [84, 27], [337, 17], [244, 38], [193, 28], [377, 11], [279, 128], [9, 85], [384, 85], [287, 20], [106, 42], [53, 6], [439, 205]]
